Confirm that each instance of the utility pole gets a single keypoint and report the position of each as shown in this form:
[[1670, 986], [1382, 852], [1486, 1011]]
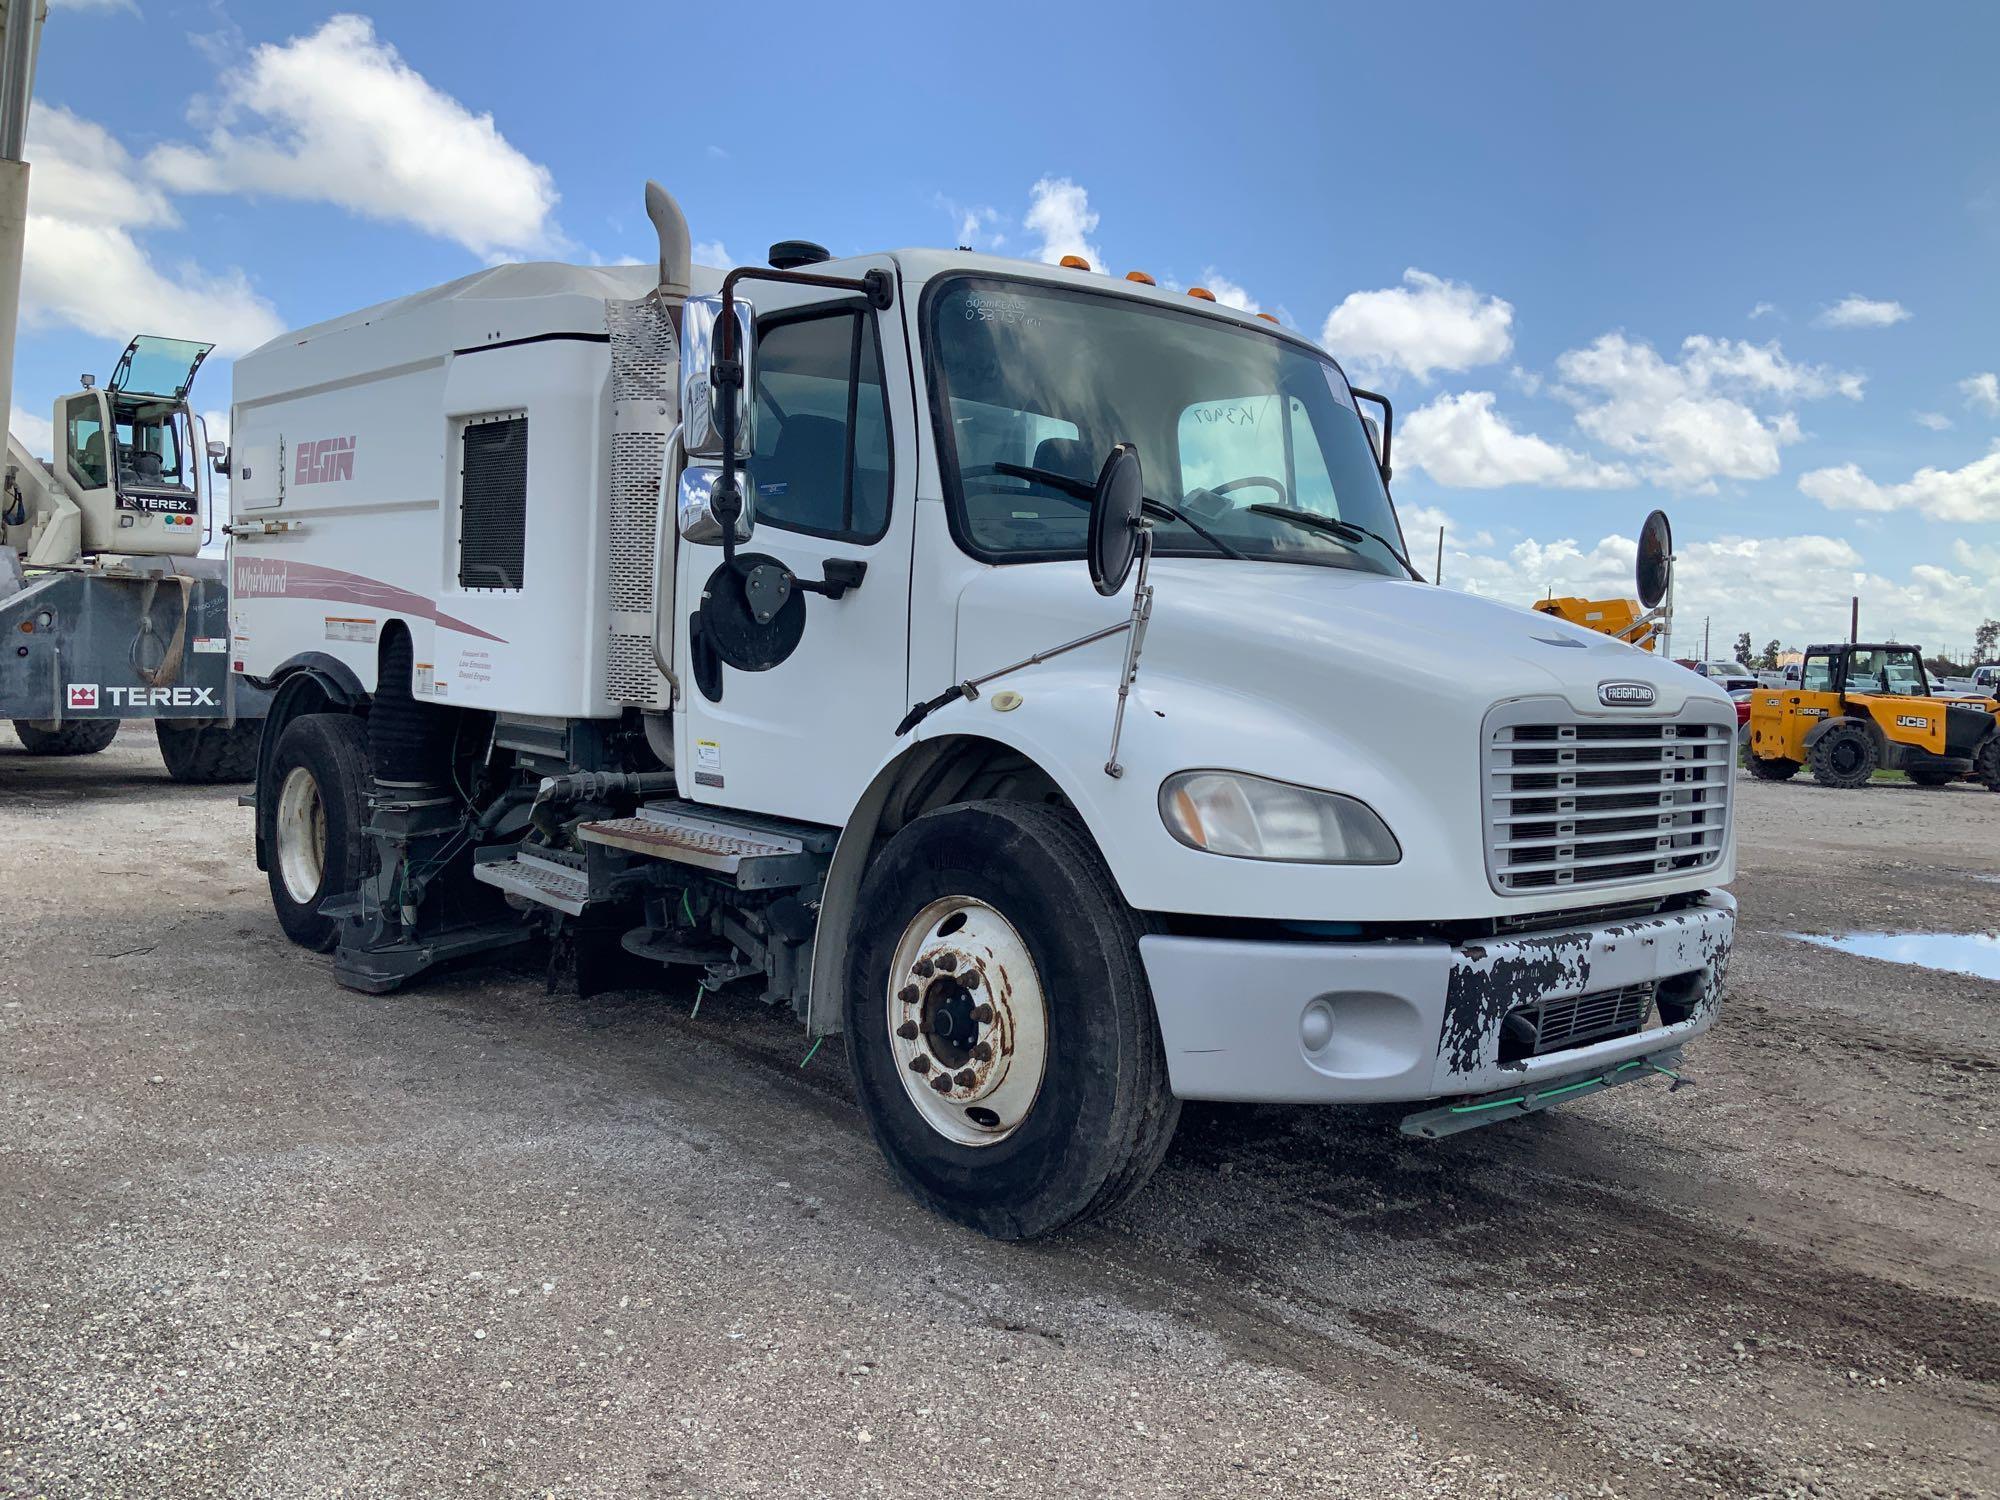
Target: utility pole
[[20, 36], [1704, 637]]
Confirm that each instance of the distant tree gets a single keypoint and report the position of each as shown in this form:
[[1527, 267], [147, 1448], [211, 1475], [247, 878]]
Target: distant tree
[[1743, 648], [1986, 642], [1769, 660]]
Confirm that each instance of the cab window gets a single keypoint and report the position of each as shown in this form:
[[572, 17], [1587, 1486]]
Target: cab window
[[1817, 676], [822, 457], [85, 442]]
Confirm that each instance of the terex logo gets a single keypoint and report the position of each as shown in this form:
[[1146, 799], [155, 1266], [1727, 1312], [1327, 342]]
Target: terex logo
[[1625, 694], [88, 695], [324, 461]]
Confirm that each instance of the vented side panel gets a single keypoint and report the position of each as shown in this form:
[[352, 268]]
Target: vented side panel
[[645, 379], [493, 503]]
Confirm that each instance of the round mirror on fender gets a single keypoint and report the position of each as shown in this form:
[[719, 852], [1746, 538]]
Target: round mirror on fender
[[752, 616], [1656, 560], [1114, 519]]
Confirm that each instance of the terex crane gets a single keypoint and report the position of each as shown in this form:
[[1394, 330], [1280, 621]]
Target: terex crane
[[106, 611]]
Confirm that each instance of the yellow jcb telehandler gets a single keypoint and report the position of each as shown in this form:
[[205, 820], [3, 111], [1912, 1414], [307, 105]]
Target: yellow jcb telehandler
[[1861, 709]]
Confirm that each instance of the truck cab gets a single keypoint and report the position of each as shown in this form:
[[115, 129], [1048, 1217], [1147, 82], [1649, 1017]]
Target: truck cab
[[1014, 668]]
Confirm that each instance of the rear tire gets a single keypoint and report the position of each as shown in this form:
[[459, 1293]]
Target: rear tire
[[1986, 763], [1777, 768], [1844, 757], [1071, 1114], [312, 808], [71, 737], [209, 754]]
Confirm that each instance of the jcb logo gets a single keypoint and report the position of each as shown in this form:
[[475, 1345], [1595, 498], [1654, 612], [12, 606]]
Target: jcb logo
[[1912, 721]]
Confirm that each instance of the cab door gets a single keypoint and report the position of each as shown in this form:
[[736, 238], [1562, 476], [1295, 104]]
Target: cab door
[[831, 479]]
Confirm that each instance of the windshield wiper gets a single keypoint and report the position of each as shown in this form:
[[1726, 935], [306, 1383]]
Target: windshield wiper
[[1086, 491], [1339, 530]]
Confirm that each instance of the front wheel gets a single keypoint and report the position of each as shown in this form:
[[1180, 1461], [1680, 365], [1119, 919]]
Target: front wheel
[[1845, 756], [999, 1024], [312, 808], [71, 737]]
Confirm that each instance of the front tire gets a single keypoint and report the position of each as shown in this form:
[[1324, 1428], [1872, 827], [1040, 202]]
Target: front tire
[[312, 809], [997, 957], [209, 754], [71, 737], [1844, 757]]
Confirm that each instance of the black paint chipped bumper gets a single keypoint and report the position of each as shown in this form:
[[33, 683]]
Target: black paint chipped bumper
[[1407, 1021]]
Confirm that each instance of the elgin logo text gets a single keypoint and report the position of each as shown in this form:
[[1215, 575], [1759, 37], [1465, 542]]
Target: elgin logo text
[[324, 461]]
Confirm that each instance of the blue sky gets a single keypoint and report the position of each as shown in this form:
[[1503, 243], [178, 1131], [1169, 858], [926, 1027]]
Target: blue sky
[[1737, 261]]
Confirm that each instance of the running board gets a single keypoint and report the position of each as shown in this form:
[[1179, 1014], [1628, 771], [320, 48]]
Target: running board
[[1508, 1104], [751, 854], [537, 878]]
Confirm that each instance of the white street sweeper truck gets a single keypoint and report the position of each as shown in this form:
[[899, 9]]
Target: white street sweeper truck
[[1015, 670]]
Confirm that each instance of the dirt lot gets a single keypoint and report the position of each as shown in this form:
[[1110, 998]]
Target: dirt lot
[[263, 1237]]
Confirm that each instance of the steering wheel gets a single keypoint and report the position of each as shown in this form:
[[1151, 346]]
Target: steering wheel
[[1264, 481]]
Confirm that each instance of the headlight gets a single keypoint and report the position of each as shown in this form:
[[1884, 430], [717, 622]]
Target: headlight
[[1249, 817]]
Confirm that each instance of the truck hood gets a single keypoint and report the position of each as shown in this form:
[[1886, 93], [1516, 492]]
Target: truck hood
[[1292, 632]]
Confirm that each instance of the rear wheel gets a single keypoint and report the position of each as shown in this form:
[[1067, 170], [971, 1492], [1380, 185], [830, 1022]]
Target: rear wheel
[[1776, 768], [208, 754], [71, 737], [999, 1024], [312, 808], [1930, 775], [1845, 756], [1986, 763]]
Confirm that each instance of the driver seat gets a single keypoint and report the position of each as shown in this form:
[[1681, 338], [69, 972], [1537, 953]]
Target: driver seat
[[1070, 457]]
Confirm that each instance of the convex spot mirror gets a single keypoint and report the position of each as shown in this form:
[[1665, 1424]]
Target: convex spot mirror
[[694, 509], [1114, 519], [701, 435]]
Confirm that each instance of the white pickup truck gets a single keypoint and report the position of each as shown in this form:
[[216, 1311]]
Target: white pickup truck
[[596, 601]]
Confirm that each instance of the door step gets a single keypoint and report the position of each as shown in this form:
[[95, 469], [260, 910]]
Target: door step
[[751, 854], [538, 878]]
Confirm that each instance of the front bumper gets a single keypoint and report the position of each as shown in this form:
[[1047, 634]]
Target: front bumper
[[1391, 1021]]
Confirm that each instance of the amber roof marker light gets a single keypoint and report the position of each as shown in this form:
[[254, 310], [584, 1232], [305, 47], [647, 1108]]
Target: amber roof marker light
[[1074, 263], [1141, 277], [1202, 292]]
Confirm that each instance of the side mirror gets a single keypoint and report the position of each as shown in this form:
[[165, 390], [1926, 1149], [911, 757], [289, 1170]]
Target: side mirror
[[218, 455], [695, 513], [1380, 436], [700, 435]]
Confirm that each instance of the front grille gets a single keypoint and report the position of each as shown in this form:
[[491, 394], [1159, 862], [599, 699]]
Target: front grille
[[1552, 1025], [1585, 803]]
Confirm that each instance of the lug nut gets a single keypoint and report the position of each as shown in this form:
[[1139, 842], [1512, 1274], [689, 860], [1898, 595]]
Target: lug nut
[[947, 961], [920, 1064], [966, 1078], [907, 994], [970, 979], [983, 1052], [922, 968], [983, 1014], [942, 1083], [907, 1031]]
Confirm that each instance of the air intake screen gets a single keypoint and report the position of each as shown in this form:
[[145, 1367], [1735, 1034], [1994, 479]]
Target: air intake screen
[[493, 503]]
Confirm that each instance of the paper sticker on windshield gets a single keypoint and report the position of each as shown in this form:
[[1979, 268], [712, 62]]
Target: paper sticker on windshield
[[1338, 385]]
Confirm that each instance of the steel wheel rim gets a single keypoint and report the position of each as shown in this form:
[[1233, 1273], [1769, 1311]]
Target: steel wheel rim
[[966, 1011], [1847, 756], [300, 834]]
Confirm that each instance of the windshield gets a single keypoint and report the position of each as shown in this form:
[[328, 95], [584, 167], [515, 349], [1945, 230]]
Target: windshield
[[1886, 671], [1233, 428], [151, 446], [153, 366]]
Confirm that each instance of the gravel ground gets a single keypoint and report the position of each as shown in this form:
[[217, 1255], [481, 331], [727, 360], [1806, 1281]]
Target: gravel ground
[[260, 1236]]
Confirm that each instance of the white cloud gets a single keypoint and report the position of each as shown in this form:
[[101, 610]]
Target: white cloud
[[1228, 293], [1763, 310], [1691, 422], [713, 254], [1462, 442], [1937, 421], [338, 117], [1794, 588], [1982, 392], [83, 265], [1968, 494], [1424, 325], [1059, 212], [1857, 311], [975, 223], [37, 433], [1421, 524]]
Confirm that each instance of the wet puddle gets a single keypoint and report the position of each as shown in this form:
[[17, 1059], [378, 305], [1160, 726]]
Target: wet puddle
[[1974, 953]]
